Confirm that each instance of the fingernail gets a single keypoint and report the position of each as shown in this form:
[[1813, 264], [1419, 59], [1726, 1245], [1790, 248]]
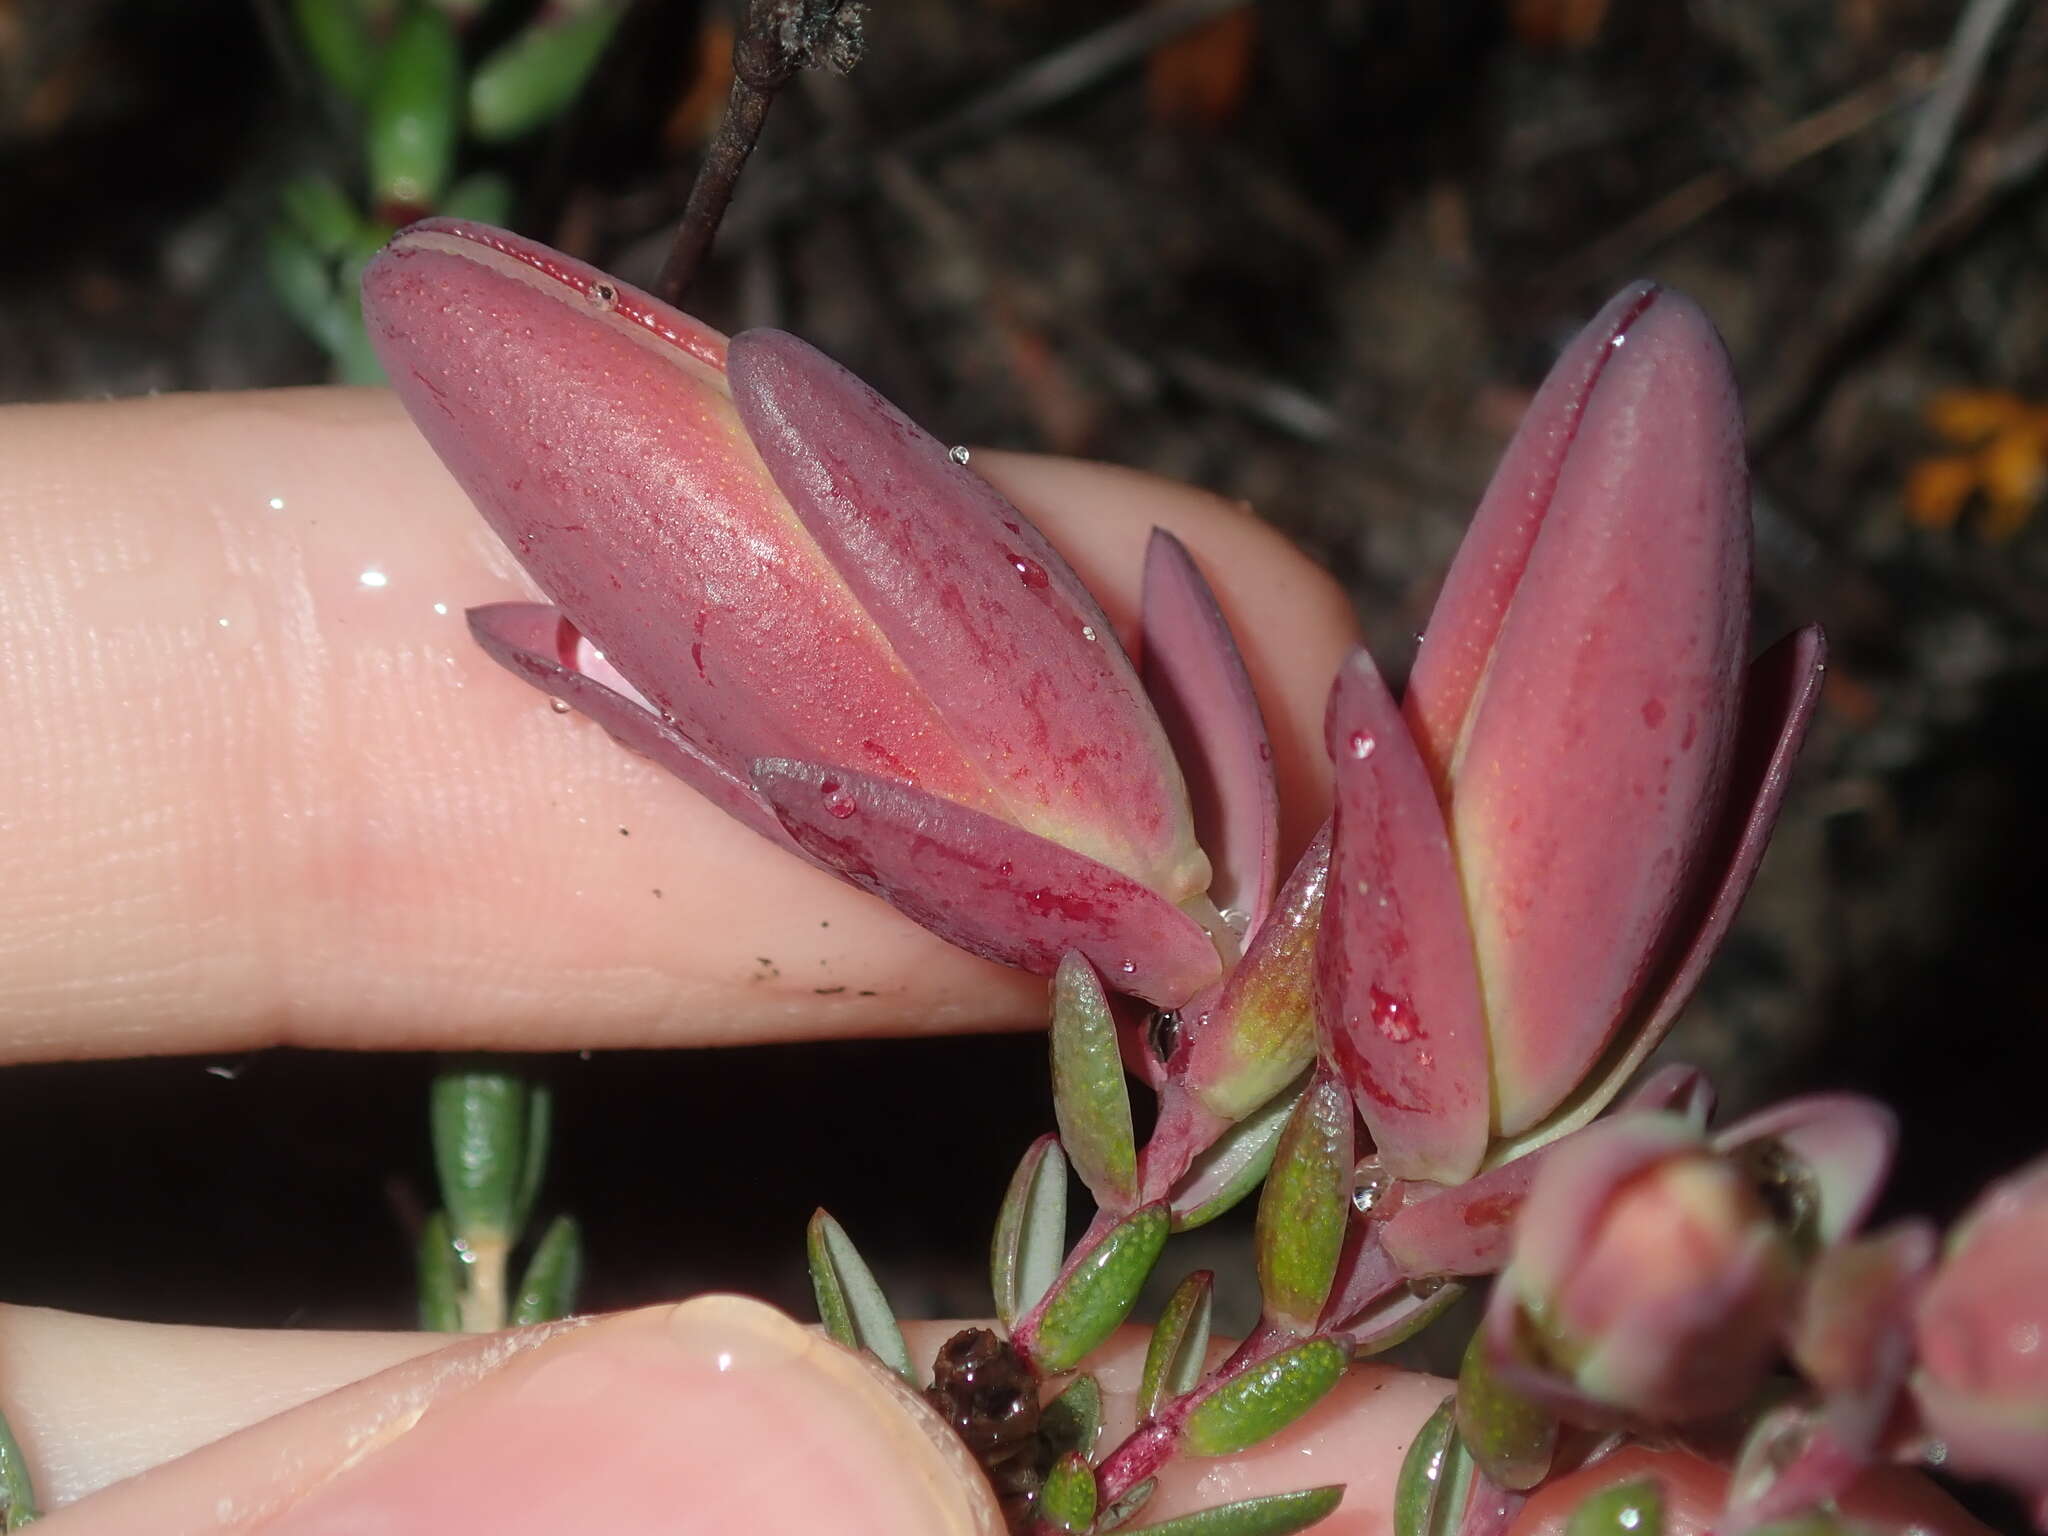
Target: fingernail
[[719, 1415]]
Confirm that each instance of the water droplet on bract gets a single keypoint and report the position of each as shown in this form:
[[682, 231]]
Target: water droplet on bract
[[838, 803], [1235, 920], [1129, 967], [1619, 339], [1425, 1287], [559, 706], [1393, 1015], [1087, 631], [1362, 746], [957, 454], [603, 295], [1371, 1183], [1030, 570]]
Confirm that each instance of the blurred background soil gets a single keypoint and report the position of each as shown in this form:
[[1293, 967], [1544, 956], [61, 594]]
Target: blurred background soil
[[1313, 255]]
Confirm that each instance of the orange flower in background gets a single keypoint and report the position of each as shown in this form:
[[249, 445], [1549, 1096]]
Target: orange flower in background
[[2003, 457]]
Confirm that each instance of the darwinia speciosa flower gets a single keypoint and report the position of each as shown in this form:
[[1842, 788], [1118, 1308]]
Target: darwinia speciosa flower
[[767, 580]]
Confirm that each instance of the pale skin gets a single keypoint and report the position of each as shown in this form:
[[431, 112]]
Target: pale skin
[[256, 798]]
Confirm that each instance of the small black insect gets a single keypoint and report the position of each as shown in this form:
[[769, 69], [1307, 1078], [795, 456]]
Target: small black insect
[[983, 1388]]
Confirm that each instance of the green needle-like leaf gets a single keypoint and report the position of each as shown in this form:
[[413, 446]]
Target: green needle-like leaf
[[1637, 1509], [320, 213], [1089, 1097], [1510, 1437], [1436, 1477], [1073, 1420], [1232, 1168], [1305, 1206], [1277, 1514], [533, 1162], [1031, 1231], [850, 1304], [1180, 1343], [1264, 1399], [17, 1489], [442, 1277], [483, 1120], [415, 111], [1127, 1507], [531, 79], [553, 1275], [336, 35], [484, 196], [1098, 1293], [1066, 1500]]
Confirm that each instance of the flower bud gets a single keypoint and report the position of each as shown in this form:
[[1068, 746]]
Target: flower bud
[[1981, 1336], [1650, 1279]]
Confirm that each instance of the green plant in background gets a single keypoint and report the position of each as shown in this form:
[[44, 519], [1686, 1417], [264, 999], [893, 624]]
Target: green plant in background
[[416, 108], [490, 1130]]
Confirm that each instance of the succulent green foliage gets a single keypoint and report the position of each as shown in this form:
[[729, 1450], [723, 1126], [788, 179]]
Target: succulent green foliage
[[1637, 1509], [1180, 1343], [1097, 1294], [414, 112], [490, 1129], [850, 1302], [1232, 1168], [553, 1275], [442, 1277], [17, 1489], [1305, 1207], [1114, 1516], [1031, 1231], [1073, 1420], [1277, 1514], [533, 77], [1089, 1096], [1510, 1437], [1264, 1399], [1066, 1500], [1436, 1478], [337, 37]]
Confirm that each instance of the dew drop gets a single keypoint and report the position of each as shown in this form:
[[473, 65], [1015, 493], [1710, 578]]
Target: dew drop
[[276, 503], [1129, 967], [1362, 746], [957, 453], [1031, 571], [374, 578], [1393, 1015], [838, 803], [442, 609], [1425, 1286], [1371, 1183], [1087, 631], [1235, 920], [559, 706]]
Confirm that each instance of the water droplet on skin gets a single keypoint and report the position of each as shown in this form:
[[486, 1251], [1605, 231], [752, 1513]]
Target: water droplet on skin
[[957, 454], [374, 578], [442, 609], [1362, 746], [559, 706], [276, 503]]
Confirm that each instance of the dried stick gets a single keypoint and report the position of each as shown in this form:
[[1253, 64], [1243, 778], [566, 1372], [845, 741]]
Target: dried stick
[[780, 37]]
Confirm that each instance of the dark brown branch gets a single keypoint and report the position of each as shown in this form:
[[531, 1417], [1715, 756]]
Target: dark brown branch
[[780, 37]]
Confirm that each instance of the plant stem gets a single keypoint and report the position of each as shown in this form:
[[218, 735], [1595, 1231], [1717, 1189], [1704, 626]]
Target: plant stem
[[17, 1491], [484, 1306], [780, 37]]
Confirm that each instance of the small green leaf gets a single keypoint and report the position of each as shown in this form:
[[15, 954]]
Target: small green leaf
[[304, 283], [1066, 1500], [484, 196], [533, 1161], [1637, 1509], [1232, 1168], [850, 1304], [1277, 1514], [1089, 1097], [442, 1277], [1180, 1344], [17, 1488], [1126, 1507], [482, 1119], [1098, 1293], [1073, 1420], [534, 77], [414, 112], [553, 1275], [1031, 1231], [1305, 1206], [336, 36], [1436, 1477], [1264, 1399], [320, 213], [1510, 1437]]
